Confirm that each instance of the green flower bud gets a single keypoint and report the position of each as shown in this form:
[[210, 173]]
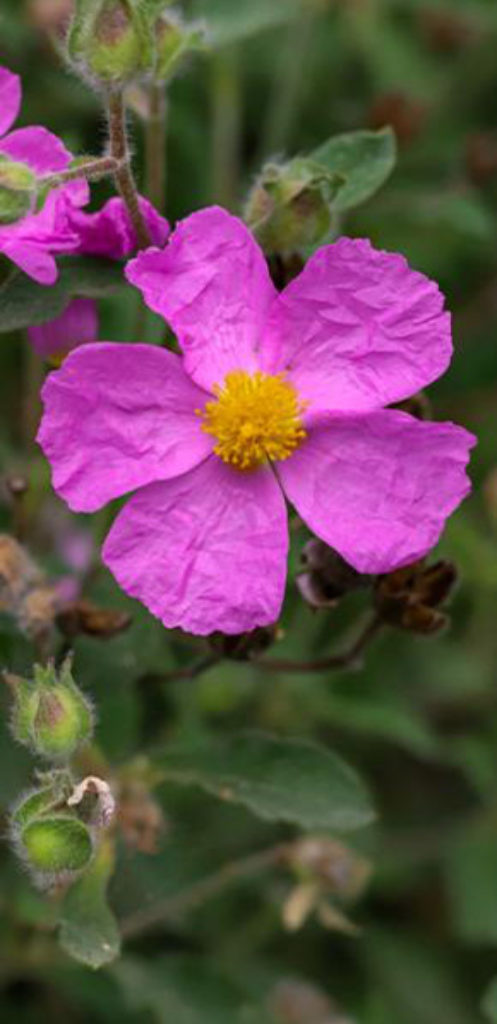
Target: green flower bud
[[174, 42], [111, 40], [32, 806], [55, 846], [51, 715], [289, 207], [17, 190]]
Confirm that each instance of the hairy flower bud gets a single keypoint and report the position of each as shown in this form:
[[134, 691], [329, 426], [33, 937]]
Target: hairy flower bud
[[111, 40], [51, 715], [289, 206], [55, 848], [17, 190]]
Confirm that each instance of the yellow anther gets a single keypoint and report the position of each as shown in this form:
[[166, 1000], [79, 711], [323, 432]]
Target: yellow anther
[[254, 418]]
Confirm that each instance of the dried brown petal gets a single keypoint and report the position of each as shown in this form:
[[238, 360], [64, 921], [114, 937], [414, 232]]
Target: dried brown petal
[[244, 646], [84, 617]]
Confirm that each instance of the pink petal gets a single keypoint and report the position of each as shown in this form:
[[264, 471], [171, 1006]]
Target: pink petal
[[211, 283], [36, 262], [10, 99], [358, 329], [42, 151], [116, 418], [109, 231], [77, 325], [206, 551], [378, 487]]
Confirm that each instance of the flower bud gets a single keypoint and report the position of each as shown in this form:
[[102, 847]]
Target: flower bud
[[17, 190], [35, 805], [55, 847], [50, 713], [111, 40], [326, 577], [289, 206]]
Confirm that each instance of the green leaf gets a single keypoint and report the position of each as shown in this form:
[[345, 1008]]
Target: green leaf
[[228, 22], [24, 303], [88, 929], [278, 779], [489, 1004], [472, 885], [364, 159]]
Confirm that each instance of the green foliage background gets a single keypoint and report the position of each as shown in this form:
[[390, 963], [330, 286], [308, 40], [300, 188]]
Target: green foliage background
[[419, 721]]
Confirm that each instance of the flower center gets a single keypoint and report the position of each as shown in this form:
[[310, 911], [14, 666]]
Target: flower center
[[254, 417]]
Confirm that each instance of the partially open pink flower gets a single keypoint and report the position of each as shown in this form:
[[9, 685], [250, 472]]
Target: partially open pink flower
[[77, 325], [33, 240], [110, 233], [277, 396]]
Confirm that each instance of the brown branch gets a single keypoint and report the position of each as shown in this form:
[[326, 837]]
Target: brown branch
[[123, 175], [348, 659], [196, 894]]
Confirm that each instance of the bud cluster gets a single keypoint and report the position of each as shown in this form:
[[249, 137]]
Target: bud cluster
[[112, 43], [55, 826]]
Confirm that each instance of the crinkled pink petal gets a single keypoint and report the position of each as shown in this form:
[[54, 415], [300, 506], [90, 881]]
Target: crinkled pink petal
[[358, 329], [378, 487], [32, 242], [206, 551], [34, 260], [77, 325], [109, 232], [118, 417], [211, 283], [10, 98], [42, 151]]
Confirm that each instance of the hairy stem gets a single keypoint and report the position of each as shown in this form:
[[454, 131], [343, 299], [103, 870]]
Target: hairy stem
[[92, 170], [123, 175]]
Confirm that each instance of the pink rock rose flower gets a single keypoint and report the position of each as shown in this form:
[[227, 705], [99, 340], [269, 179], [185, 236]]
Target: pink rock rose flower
[[32, 241], [276, 396], [77, 325]]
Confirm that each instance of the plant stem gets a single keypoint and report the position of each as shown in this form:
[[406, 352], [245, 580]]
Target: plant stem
[[123, 175], [226, 127], [155, 145], [347, 659], [196, 894], [291, 72], [92, 170]]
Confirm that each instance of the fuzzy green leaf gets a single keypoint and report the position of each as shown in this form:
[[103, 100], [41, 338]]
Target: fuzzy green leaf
[[88, 929], [24, 303], [364, 159], [278, 779]]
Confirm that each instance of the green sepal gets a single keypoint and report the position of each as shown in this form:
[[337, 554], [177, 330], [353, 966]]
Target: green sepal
[[56, 845]]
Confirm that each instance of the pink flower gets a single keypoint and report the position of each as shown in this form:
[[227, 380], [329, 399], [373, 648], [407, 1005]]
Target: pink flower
[[277, 396], [32, 241], [77, 325], [60, 227], [109, 231]]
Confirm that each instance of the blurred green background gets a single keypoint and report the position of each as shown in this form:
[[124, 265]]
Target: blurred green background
[[420, 719]]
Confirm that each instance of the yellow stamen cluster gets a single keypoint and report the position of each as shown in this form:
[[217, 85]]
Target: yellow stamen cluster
[[254, 418]]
